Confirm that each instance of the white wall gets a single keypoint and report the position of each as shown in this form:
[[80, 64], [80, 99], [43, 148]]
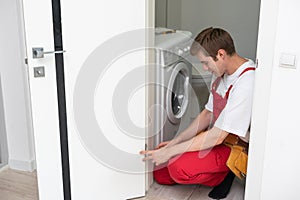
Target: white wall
[[174, 14], [281, 169], [15, 89], [3, 138], [239, 17], [273, 169], [160, 13], [168, 13]]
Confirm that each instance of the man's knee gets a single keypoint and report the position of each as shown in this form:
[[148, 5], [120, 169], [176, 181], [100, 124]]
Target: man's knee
[[162, 176], [178, 172]]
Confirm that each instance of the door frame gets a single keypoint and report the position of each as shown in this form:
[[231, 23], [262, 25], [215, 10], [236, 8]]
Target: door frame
[[260, 110], [150, 91], [261, 96], [267, 25], [3, 137]]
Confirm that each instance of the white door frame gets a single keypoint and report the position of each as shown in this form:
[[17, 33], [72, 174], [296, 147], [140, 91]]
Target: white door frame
[[260, 111], [268, 13], [150, 92], [3, 137], [265, 52]]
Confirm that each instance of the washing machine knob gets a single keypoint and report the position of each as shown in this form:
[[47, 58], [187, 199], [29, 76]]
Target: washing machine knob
[[180, 52], [186, 49]]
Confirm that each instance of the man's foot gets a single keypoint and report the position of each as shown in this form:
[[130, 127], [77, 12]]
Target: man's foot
[[221, 191]]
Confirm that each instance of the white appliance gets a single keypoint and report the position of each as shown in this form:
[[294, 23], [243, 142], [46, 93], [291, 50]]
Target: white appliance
[[201, 81], [173, 83]]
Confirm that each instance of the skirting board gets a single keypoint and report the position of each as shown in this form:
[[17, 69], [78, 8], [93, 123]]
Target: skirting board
[[3, 167], [27, 166]]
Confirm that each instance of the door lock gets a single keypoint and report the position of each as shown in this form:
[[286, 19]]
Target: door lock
[[39, 72], [38, 52]]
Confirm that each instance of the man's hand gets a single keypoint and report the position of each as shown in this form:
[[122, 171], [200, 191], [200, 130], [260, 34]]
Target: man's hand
[[158, 156], [162, 144]]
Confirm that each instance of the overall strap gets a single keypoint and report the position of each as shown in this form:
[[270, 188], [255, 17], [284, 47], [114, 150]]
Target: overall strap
[[247, 69], [230, 87], [216, 83]]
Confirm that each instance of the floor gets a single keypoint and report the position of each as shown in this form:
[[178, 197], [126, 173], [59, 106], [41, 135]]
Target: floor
[[17, 185], [190, 192]]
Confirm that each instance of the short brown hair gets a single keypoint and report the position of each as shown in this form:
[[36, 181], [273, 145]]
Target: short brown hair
[[211, 40]]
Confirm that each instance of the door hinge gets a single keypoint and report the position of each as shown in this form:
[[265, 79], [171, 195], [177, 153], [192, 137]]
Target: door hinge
[[256, 63], [26, 61]]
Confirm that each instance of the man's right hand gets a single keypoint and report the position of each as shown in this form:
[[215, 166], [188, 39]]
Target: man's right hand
[[162, 144]]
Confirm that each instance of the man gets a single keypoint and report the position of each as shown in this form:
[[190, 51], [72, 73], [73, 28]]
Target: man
[[197, 155]]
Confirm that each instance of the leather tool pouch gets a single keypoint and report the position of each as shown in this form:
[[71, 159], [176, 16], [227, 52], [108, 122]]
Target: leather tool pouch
[[237, 161]]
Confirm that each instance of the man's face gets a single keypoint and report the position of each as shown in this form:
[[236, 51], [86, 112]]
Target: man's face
[[210, 65]]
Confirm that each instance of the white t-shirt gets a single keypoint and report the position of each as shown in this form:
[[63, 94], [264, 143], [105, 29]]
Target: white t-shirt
[[235, 117]]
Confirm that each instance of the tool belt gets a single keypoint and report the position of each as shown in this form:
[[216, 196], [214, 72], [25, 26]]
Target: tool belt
[[237, 160]]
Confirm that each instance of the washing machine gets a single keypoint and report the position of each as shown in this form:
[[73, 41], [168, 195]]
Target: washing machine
[[173, 75], [201, 84]]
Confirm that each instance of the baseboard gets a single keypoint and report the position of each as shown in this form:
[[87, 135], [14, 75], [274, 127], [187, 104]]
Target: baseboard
[[3, 167], [22, 165]]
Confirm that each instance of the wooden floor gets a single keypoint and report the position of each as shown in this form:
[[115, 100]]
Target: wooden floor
[[17, 185]]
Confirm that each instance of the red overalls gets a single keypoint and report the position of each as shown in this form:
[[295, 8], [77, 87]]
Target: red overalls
[[207, 167]]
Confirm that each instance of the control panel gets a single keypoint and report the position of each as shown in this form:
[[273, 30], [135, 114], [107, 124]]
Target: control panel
[[173, 54]]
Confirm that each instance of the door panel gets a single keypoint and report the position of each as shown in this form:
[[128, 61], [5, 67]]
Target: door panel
[[39, 33], [90, 31], [104, 160]]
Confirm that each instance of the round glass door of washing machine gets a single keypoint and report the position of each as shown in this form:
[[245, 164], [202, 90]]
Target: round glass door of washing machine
[[177, 97]]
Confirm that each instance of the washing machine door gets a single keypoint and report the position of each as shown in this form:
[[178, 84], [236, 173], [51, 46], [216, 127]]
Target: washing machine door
[[177, 97]]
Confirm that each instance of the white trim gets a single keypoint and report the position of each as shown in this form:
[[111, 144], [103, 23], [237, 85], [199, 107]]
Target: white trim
[[2, 168], [23, 165], [150, 23], [261, 100]]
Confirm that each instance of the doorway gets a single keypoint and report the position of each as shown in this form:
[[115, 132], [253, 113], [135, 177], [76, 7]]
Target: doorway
[[3, 138], [239, 18], [16, 130]]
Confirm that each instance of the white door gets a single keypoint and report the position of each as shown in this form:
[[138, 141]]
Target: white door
[[105, 99]]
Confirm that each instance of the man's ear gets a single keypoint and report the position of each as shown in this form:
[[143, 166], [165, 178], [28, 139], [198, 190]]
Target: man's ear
[[221, 53]]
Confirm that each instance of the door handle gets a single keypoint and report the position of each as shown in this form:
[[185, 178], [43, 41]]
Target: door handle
[[38, 52]]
